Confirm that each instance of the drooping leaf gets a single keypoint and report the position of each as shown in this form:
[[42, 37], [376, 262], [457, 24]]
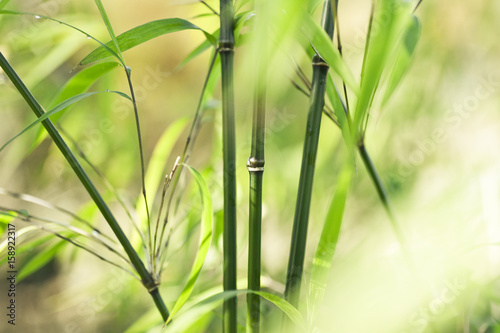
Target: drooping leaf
[[61, 106], [142, 34], [403, 56], [199, 309], [78, 84], [323, 45], [284, 306], [205, 240]]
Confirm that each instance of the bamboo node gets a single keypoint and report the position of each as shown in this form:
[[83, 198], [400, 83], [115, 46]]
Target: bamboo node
[[226, 47], [255, 165]]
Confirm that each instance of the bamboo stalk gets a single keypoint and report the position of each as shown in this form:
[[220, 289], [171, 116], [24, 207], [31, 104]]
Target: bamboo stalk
[[146, 277], [255, 166], [300, 223], [226, 51]]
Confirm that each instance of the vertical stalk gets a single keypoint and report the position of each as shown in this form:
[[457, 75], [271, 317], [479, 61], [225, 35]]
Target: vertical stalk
[[146, 277], [226, 50], [300, 223], [255, 166]]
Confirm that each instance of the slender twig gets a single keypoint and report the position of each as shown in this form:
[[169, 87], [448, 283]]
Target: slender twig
[[46, 204], [300, 223], [146, 277], [226, 51], [210, 7], [31, 218], [191, 138]]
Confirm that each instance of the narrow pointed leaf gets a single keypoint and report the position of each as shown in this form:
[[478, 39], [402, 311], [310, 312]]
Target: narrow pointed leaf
[[328, 241], [390, 19], [404, 56], [107, 22], [58, 108], [205, 240], [78, 84], [323, 45], [142, 34]]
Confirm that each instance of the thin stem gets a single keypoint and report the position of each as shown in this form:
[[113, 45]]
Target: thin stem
[[255, 166], [146, 277], [191, 138], [226, 51], [301, 219], [128, 71], [210, 7]]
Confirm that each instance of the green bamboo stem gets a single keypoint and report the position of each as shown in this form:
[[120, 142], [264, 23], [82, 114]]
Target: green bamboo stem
[[226, 51], [255, 166], [146, 277], [300, 223]]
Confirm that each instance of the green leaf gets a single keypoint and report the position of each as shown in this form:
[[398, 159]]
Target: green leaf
[[107, 22], [284, 306], [144, 33], [328, 241], [183, 321], [38, 261], [205, 45], [340, 111], [60, 107], [3, 3], [205, 240], [403, 56], [78, 84], [389, 21], [323, 45]]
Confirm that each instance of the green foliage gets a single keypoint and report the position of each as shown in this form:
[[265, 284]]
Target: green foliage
[[205, 240], [142, 34]]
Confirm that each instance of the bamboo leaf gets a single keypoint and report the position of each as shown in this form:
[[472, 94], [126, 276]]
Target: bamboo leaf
[[78, 84], [205, 240], [403, 56], [389, 21], [142, 34], [339, 110], [3, 3], [328, 241], [284, 306], [323, 45], [107, 22], [41, 259], [61, 106]]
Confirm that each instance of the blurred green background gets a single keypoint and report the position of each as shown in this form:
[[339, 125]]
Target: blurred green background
[[436, 145]]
